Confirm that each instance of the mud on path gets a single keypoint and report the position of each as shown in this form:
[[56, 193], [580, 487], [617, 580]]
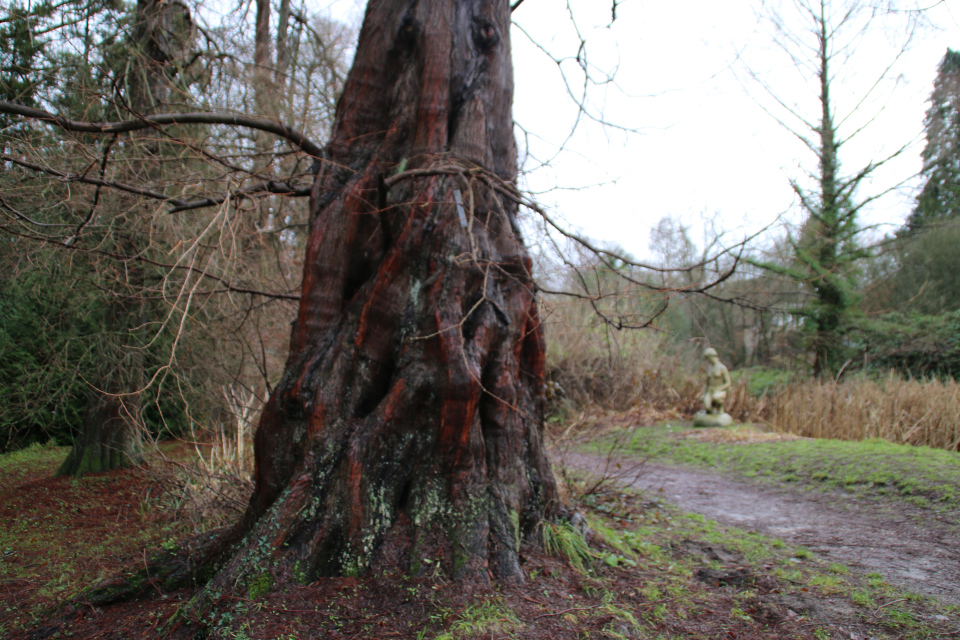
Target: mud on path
[[912, 548]]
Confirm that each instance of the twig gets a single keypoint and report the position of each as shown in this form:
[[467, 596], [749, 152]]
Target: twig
[[560, 613], [888, 604], [146, 569]]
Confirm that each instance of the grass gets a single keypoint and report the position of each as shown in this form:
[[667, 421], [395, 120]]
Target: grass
[[564, 541], [925, 476], [17, 465], [664, 542], [485, 619], [641, 576]]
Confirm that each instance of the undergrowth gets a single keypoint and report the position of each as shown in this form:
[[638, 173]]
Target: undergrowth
[[566, 541], [63, 534]]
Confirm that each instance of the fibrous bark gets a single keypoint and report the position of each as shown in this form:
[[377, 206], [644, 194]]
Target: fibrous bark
[[408, 423], [409, 417]]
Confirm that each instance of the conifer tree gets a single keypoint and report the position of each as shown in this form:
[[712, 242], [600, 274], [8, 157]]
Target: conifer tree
[[940, 197]]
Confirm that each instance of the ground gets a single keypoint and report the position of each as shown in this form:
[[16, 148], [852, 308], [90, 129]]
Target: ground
[[651, 571], [913, 543]]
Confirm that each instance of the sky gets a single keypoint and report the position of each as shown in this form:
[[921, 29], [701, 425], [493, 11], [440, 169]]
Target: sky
[[704, 142], [705, 146]]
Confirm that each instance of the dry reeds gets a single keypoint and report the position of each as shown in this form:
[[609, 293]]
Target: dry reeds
[[903, 411], [592, 364]]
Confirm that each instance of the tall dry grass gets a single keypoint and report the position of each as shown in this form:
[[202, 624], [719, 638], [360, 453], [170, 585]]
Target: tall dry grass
[[206, 481], [593, 369], [591, 364], [904, 411]]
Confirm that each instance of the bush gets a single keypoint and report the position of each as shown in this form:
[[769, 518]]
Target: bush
[[590, 364], [917, 345], [762, 381], [44, 354]]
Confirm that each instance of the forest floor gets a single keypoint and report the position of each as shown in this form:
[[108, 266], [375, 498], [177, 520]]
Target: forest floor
[[652, 571]]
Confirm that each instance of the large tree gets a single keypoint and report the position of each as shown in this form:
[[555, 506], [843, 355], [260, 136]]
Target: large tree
[[819, 39], [408, 422], [412, 399]]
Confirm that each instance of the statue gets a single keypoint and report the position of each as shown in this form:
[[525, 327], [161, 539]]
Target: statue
[[714, 393]]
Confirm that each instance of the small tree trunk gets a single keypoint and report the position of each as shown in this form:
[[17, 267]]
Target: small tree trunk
[[110, 435], [108, 438]]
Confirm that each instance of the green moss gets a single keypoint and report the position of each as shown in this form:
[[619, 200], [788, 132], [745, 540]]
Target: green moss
[[260, 585], [299, 573], [515, 522], [351, 567]]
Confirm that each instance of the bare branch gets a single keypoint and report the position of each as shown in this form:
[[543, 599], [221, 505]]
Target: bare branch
[[73, 177], [287, 132], [268, 186]]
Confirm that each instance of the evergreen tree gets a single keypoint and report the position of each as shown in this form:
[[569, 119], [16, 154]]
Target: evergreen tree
[[826, 251], [940, 197], [925, 258]]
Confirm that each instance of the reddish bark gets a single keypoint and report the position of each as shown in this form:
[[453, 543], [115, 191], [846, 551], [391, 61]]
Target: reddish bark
[[410, 411], [408, 423]]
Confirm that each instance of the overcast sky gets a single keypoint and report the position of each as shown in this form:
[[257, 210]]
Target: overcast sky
[[704, 146]]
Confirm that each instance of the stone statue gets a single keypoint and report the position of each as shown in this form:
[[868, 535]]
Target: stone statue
[[714, 393]]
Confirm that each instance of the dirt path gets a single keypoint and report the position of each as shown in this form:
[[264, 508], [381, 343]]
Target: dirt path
[[910, 547]]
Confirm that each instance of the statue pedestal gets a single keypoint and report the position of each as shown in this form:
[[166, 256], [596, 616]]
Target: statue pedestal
[[704, 419]]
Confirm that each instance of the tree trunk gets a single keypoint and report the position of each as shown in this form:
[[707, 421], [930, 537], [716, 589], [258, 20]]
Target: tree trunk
[[108, 437], [408, 423]]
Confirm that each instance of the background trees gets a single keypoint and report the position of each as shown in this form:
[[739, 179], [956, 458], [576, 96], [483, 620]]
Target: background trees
[[940, 197], [190, 279], [922, 276], [418, 329], [819, 38]]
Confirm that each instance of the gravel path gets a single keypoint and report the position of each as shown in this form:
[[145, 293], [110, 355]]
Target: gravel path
[[910, 547]]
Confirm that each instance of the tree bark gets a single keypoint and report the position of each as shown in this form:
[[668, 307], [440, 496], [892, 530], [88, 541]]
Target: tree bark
[[407, 430], [108, 437], [408, 423]]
